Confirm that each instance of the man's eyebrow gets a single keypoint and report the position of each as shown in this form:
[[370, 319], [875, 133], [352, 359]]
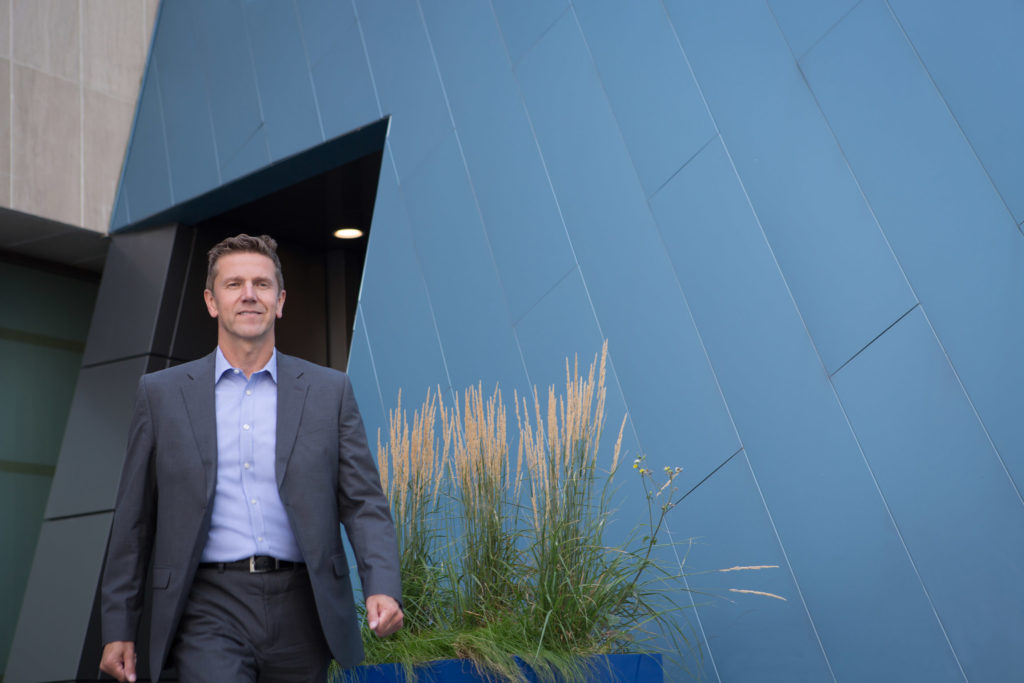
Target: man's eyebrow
[[239, 278]]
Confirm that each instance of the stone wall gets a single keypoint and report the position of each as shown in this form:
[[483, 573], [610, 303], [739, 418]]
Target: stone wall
[[69, 79]]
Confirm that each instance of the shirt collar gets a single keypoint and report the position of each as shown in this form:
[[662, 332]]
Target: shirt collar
[[221, 365]]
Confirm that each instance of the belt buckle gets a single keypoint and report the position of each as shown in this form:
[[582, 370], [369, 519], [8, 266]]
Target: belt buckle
[[254, 570]]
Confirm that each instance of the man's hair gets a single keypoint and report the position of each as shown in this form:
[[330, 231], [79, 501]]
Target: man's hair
[[264, 244]]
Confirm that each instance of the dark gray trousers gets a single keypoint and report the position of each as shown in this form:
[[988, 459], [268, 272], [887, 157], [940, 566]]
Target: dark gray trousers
[[250, 628]]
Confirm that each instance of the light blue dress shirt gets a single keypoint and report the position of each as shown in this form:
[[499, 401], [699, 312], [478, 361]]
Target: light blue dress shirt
[[248, 515]]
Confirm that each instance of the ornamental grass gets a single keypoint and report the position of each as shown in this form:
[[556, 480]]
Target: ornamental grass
[[503, 550]]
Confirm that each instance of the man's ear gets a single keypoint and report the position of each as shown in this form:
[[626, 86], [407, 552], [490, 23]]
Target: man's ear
[[211, 303], [280, 304]]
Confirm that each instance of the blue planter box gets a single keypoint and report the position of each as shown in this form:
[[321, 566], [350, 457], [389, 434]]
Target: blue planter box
[[604, 669]]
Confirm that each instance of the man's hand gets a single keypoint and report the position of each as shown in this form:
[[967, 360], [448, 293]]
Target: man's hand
[[383, 615], [119, 660]]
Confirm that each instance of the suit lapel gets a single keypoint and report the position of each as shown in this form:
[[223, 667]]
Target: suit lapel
[[291, 398], [200, 404]]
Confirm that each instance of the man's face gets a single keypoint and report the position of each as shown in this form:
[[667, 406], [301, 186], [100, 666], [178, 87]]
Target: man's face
[[245, 299]]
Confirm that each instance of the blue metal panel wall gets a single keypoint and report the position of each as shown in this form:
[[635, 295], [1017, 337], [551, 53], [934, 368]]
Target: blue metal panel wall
[[796, 221]]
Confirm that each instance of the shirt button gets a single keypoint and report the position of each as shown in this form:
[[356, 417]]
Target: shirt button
[[248, 392], [259, 538], [246, 465], [253, 501], [245, 427], [236, 371]]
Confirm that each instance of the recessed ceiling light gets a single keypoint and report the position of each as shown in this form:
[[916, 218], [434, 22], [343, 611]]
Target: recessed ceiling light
[[348, 233]]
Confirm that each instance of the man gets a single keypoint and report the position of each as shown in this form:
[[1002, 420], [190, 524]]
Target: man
[[240, 467]]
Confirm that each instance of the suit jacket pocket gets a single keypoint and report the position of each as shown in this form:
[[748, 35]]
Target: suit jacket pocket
[[161, 577], [340, 563]]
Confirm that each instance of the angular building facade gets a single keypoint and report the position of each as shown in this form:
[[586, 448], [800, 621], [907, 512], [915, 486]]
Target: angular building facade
[[797, 223]]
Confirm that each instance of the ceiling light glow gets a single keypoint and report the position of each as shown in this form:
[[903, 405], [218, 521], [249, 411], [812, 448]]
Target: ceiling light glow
[[348, 233]]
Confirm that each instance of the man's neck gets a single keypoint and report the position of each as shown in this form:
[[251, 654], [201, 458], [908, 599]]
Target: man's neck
[[248, 358]]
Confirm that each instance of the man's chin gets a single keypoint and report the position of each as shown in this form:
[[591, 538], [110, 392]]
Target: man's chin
[[251, 332]]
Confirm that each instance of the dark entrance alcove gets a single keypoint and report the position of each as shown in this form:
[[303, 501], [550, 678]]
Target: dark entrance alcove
[[322, 272]]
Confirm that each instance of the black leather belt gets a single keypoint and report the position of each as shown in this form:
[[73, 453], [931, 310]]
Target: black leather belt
[[257, 564]]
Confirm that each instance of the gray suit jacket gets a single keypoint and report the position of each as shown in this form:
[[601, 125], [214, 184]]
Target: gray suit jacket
[[325, 475]]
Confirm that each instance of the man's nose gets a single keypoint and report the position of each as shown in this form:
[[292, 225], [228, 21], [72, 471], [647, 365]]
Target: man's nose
[[250, 291]]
